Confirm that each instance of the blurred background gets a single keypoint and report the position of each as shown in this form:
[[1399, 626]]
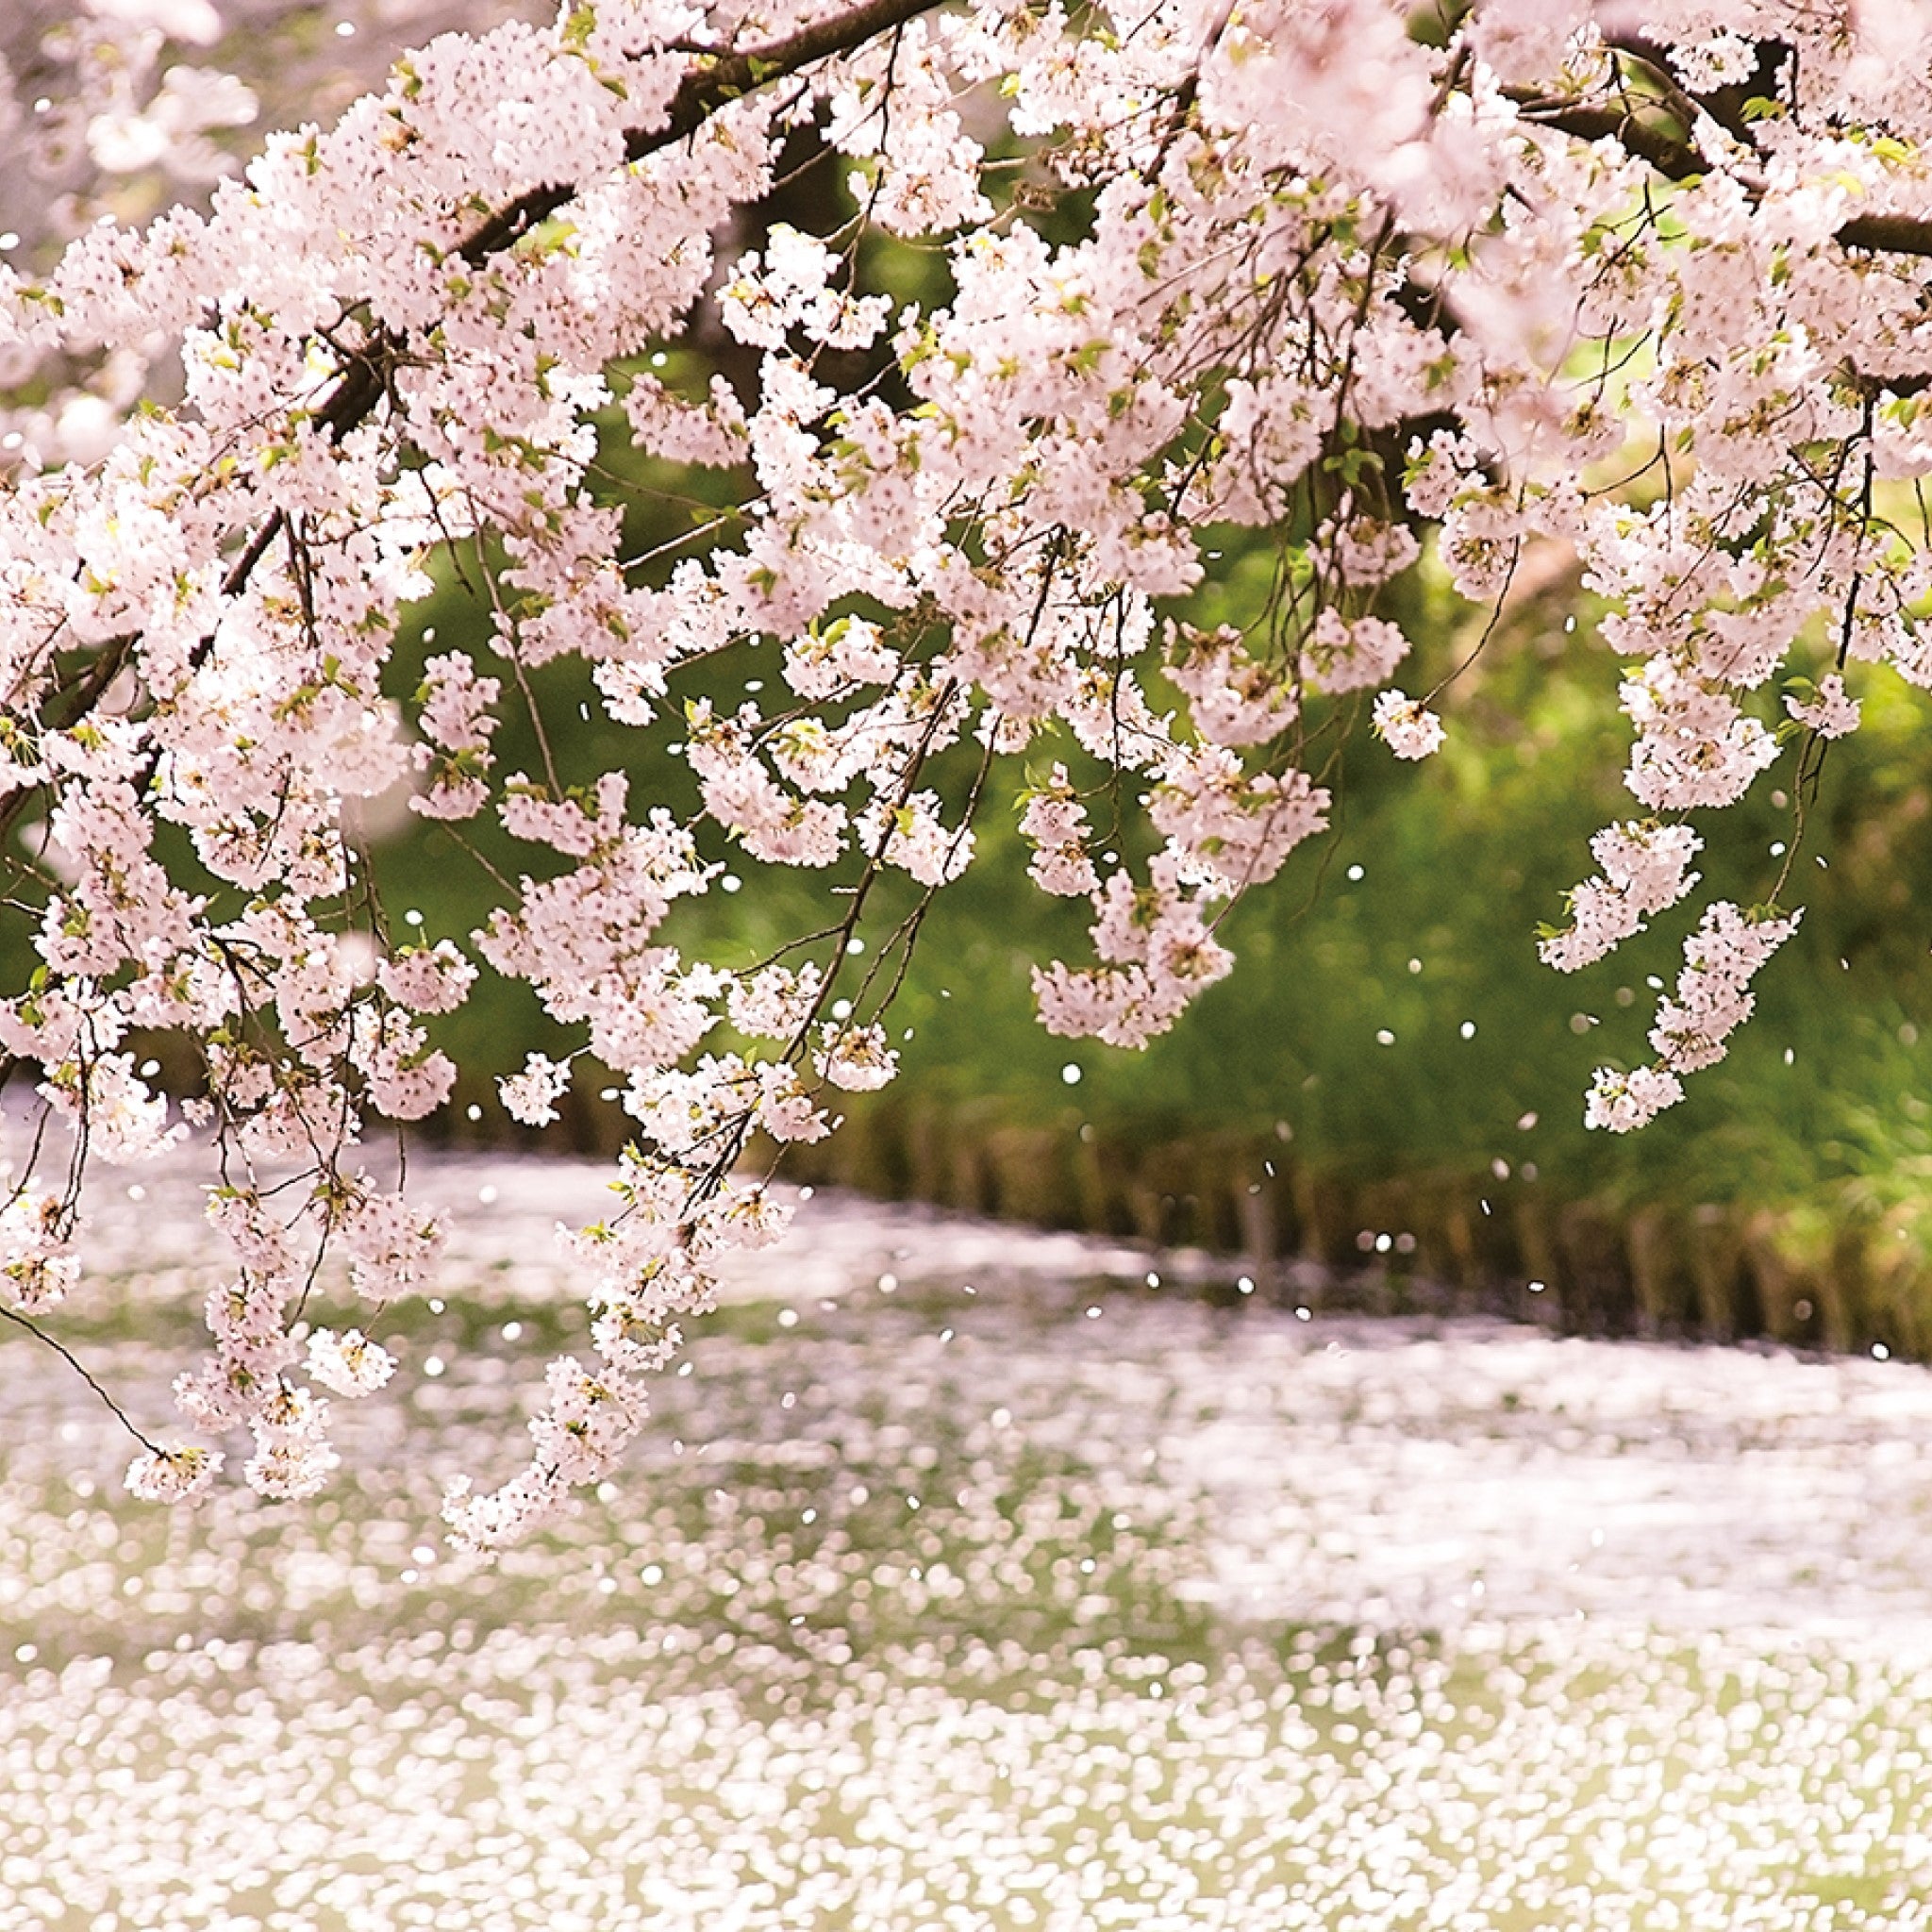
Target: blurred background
[[1389, 1076]]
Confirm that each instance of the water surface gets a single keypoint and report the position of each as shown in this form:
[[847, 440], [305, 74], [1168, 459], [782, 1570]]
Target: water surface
[[969, 1580]]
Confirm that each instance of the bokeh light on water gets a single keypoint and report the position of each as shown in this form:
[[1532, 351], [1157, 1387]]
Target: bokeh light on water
[[968, 1582]]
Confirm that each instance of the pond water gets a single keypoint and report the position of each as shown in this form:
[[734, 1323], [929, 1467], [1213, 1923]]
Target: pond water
[[969, 1580]]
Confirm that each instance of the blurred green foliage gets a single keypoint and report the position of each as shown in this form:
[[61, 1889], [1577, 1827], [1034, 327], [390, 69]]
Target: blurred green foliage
[[1388, 1015]]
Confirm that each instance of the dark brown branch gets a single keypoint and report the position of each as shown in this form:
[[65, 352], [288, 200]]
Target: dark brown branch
[[1887, 234], [714, 83], [1674, 159], [724, 79], [1678, 160], [1729, 105]]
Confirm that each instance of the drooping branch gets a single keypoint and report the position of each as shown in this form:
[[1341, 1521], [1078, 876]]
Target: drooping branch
[[1250, 270]]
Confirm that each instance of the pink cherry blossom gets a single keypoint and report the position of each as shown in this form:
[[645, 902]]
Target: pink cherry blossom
[[1405, 725], [1114, 512]]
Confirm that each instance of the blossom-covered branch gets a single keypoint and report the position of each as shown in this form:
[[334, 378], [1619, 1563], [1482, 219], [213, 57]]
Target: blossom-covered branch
[[1297, 279]]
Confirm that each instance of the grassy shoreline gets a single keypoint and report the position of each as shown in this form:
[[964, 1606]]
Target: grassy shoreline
[[1840, 1275]]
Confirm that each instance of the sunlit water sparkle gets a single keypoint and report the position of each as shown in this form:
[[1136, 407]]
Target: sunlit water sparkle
[[1188, 1613]]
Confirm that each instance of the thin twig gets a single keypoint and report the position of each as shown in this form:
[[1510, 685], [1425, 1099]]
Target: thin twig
[[75, 1364]]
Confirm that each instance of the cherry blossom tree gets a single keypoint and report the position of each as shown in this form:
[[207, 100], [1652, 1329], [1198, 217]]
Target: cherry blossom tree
[[1350, 281]]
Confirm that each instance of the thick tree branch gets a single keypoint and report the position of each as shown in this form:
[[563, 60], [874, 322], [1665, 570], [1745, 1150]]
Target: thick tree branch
[[716, 83], [1678, 160], [712, 84]]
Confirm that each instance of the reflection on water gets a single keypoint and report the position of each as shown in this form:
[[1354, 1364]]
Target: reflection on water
[[968, 1581]]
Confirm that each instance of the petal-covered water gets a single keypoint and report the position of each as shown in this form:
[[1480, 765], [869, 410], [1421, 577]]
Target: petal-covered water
[[968, 1580]]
